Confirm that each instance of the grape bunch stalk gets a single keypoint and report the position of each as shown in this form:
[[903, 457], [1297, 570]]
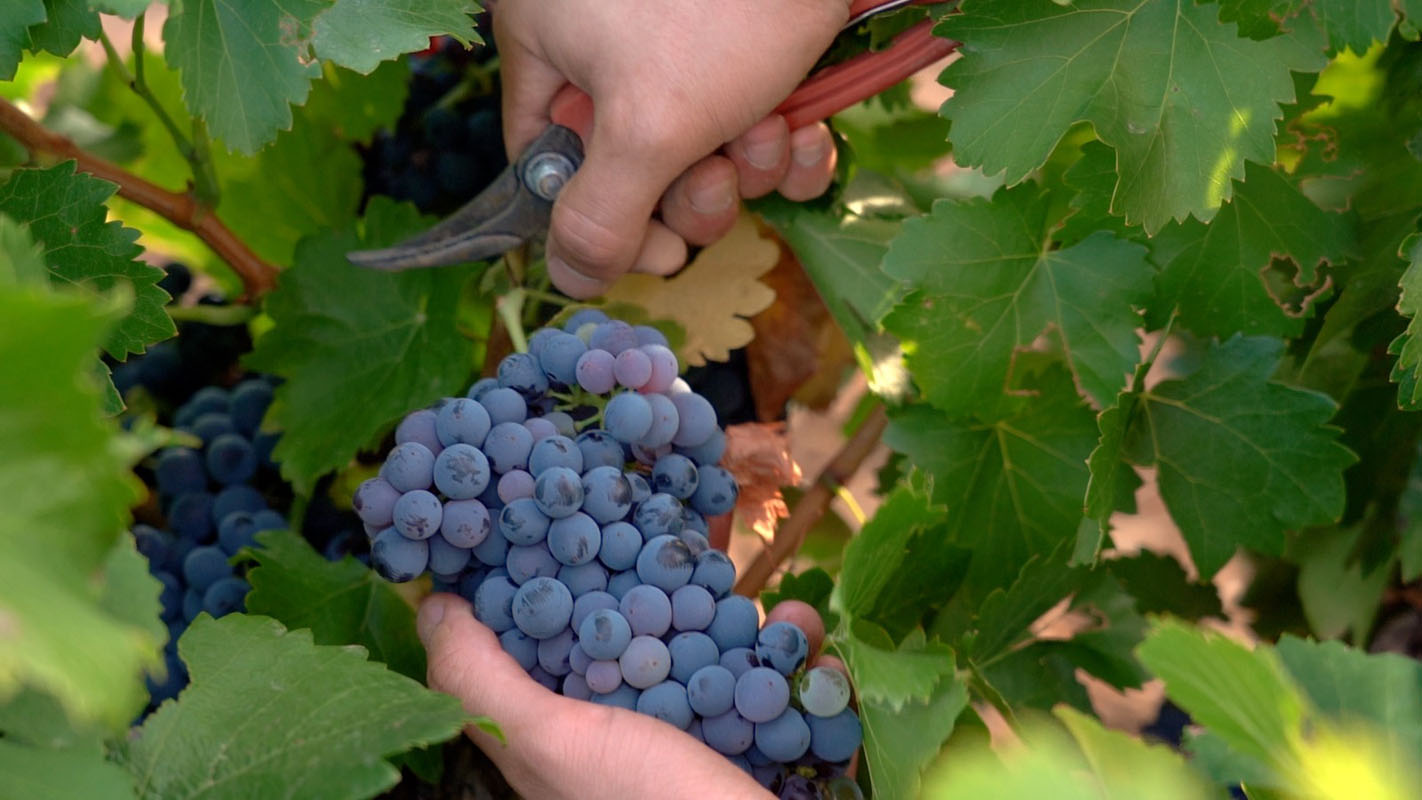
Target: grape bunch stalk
[[567, 499]]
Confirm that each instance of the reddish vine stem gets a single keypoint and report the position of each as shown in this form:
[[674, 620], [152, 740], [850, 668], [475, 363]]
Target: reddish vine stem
[[180, 208], [813, 505]]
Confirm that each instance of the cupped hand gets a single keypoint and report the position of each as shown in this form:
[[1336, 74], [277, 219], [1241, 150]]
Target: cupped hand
[[558, 747], [672, 83]]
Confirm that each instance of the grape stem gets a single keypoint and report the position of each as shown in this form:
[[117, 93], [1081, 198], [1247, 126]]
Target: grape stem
[[180, 208], [510, 309], [813, 505]]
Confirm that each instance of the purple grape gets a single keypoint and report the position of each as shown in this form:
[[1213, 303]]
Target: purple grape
[[595, 371]]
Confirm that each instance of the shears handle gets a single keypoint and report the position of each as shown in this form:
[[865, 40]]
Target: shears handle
[[825, 93]]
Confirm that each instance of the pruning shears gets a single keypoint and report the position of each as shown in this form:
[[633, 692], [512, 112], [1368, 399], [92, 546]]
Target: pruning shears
[[516, 207]]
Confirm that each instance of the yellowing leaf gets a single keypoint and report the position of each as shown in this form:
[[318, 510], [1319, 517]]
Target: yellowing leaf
[[713, 296]]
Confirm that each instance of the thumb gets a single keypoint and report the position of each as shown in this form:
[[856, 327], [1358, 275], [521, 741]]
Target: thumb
[[466, 661]]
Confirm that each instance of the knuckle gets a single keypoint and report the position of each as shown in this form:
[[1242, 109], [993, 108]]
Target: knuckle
[[590, 244]]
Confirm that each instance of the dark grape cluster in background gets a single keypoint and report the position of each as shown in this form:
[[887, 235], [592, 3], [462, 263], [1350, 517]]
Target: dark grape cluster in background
[[567, 500]]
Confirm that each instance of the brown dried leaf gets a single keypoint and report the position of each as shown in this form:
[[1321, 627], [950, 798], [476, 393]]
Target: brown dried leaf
[[758, 454], [713, 297]]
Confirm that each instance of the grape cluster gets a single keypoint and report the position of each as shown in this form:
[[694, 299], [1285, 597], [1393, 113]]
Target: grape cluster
[[212, 511], [567, 500]]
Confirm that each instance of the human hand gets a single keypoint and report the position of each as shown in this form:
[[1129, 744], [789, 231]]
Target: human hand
[[671, 83], [559, 747]]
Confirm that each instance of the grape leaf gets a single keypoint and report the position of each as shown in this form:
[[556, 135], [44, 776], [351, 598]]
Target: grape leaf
[[1147, 75], [1240, 459], [66, 23], [1007, 614], [1339, 594], [16, 17], [34, 772], [893, 676], [990, 284], [23, 262], [1130, 766], [1353, 24], [61, 637], [812, 586], [65, 212], [128, 9], [1159, 585], [355, 106], [342, 602], [898, 745], [1214, 273], [1012, 482], [360, 34], [1407, 372], [270, 714], [358, 348], [1112, 485], [722, 278], [242, 64]]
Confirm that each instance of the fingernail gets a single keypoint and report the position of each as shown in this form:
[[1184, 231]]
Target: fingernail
[[765, 154], [713, 198], [807, 146], [428, 619]]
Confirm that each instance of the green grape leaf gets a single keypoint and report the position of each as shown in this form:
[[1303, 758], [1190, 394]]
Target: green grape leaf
[[1093, 178], [66, 214], [66, 23], [1012, 483], [888, 675], [342, 602], [1354, 24], [61, 637], [1349, 684], [360, 34], [812, 586], [1339, 594], [1146, 75], [1240, 459], [1407, 372], [1112, 485], [128, 9], [130, 593], [1410, 508], [33, 772], [1159, 585], [1130, 766], [900, 744], [242, 64], [1006, 615], [23, 262], [990, 284], [355, 106], [338, 715], [358, 348], [1214, 274], [16, 17]]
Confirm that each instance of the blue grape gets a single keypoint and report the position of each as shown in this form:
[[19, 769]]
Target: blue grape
[[230, 459], [579, 661], [691, 651], [540, 428], [558, 491], [418, 514], [180, 469], [576, 687], [507, 446], [614, 336], [594, 371], [693, 608], [461, 472], [709, 451], [398, 559], [648, 455], [521, 646], [554, 651], [664, 422], [795, 786], [522, 373], [641, 489], [738, 660], [835, 738], [462, 421], [515, 484], [583, 578], [627, 417], [559, 357], [204, 566], [675, 475], [409, 466], [268, 520], [604, 634], [209, 399], [735, 623], [481, 387], [153, 544], [761, 695], [623, 696], [527, 562], [599, 449], [574, 539], [171, 597], [523, 522], [588, 603], [658, 515], [236, 498], [192, 604], [250, 400], [210, 426], [667, 702], [607, 496], [715, 572], [711, 691], [542, 607], [422, 427], [539, 339], [493, 603], [604, 677], [646, 335], [493, 550], [504, 405], [632, 368], [646, 662], [647, 608], [555, 451], [716, 491], [692, 521], [225, 596], [541, 676], [191, 516], [620, 545], [174, 679], [620, 583], [666, 563], [584, 316], [728, 733], [562, 423], [264, 444], [465, 523], [697, 419], [783, 646], [823, 692], [178, 549], [236, 531], [664, 367], [445, 558]]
